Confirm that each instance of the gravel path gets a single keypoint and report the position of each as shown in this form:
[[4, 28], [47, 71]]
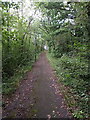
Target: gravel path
[[38, 95]]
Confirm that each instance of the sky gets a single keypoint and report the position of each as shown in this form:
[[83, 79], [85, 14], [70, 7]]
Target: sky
[[28, 9]]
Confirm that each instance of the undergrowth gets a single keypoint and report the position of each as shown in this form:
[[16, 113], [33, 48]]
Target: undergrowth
[[9, 85], [70, 71]]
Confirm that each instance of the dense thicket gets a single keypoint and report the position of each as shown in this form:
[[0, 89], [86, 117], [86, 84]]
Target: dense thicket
[[18, 46], [20, 40], [67, 27]]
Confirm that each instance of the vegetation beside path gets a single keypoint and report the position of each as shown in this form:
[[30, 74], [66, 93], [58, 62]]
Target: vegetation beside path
[[72, 88]]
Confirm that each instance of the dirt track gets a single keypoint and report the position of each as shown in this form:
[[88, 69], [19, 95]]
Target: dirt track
[[38, 95]]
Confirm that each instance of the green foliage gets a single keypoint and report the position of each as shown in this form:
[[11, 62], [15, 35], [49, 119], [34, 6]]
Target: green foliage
[[78, 114], [70, 70], [11, 84], [68, 34], [65, 28], [21, 44]]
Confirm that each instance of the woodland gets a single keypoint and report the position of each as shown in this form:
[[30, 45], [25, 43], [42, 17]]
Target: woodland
[[65, 29]]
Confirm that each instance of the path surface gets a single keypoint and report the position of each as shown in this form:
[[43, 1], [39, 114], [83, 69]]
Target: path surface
[[38, 95]]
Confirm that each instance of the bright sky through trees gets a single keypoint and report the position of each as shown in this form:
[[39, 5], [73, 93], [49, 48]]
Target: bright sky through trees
[[28, 8]]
